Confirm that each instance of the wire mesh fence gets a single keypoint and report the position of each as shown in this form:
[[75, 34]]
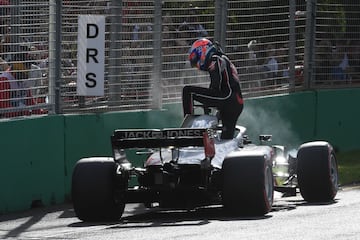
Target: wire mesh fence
[[266, 41], [337, 53], [183, 22], [24, 34], [277, 47]]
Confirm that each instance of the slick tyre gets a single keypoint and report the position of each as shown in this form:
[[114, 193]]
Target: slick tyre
[[248, 186], [317, 172], [94, 193]]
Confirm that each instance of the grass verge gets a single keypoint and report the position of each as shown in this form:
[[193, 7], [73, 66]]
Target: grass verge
[[349, 167]]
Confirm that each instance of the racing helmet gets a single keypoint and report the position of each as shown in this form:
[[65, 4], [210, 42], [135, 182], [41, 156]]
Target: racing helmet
[[200, 53]]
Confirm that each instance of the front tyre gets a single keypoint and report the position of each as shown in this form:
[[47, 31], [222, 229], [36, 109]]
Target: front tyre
[[248, 185], [94, 190], [317, 172]]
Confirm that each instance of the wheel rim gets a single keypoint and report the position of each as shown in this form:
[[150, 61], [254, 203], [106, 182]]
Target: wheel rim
[[333, 172], [269, 185]]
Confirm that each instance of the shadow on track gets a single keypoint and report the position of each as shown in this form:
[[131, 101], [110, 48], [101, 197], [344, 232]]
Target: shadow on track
[[33, 216], [142, 218], [170, 218]]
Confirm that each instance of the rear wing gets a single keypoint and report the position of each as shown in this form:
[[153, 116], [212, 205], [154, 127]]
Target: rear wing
[[156, 138]]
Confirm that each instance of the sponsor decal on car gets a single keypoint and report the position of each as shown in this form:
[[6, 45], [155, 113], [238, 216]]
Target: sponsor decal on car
[[157, 134]]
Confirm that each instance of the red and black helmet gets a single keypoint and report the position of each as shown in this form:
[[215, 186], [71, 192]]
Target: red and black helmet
[[201, 52]]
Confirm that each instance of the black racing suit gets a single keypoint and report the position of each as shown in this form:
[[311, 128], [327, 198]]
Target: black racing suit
[[224, 93]]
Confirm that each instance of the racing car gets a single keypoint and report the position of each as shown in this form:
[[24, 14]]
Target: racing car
[[191, 166]]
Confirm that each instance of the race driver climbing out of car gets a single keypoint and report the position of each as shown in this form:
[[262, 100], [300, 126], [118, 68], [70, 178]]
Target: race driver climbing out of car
[[224, 92]]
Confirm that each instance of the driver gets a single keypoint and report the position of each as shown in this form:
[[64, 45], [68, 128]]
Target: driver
[[224, 91]]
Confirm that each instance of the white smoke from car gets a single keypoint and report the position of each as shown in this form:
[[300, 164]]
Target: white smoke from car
[[266, 121]]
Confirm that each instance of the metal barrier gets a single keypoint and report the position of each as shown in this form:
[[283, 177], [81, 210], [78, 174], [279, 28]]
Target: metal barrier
[[277, 46]]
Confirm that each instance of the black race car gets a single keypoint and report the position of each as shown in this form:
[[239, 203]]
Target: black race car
[[190, 166]]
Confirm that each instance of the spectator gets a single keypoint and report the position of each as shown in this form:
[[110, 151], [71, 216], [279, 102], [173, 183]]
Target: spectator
[[36, 78], [323, 58], [13, 90], [135, 33], [195, 24], [3, 65], [283, 56], [184, 35], [341, 60], [192, 28], [252, 65], [271, 66], [183, 42], [252, 52]]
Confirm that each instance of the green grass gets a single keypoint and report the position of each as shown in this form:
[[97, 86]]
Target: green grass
[[349, 167]]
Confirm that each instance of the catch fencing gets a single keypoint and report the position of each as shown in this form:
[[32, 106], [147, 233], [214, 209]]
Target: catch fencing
[[277, 46]]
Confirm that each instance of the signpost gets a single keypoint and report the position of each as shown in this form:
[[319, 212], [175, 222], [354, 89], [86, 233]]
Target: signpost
[[91, 55]]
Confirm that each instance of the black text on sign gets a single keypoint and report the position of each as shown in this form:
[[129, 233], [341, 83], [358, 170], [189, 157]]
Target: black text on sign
[[91, 54]]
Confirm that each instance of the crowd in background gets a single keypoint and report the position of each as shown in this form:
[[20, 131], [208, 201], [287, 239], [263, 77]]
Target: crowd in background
[[338, 62], [262, 63], [20, 71]]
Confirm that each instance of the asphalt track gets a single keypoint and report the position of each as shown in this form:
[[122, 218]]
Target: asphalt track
[[290, 218]]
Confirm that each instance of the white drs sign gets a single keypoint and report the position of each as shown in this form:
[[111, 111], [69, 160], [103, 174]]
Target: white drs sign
[[91, 54]]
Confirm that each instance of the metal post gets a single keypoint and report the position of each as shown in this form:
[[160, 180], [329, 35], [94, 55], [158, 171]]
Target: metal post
[[15, 30], [157, 56], [309, 65], [58, 49], [224, 23], [220, 22], [292, 44], [115, 52], [55, 7]]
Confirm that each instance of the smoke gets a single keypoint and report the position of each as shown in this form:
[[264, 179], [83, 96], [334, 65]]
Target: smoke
[[259, 121], [156, 90], [170, 116]]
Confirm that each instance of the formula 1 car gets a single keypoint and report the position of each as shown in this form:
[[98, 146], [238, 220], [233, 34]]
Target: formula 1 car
[[191, 166]]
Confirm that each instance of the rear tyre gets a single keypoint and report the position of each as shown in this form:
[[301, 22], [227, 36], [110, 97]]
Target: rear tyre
[[94, 193], [317, 172], [248, 185]]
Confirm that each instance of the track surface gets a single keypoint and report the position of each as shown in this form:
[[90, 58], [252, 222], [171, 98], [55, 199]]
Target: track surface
[[291, 218]]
